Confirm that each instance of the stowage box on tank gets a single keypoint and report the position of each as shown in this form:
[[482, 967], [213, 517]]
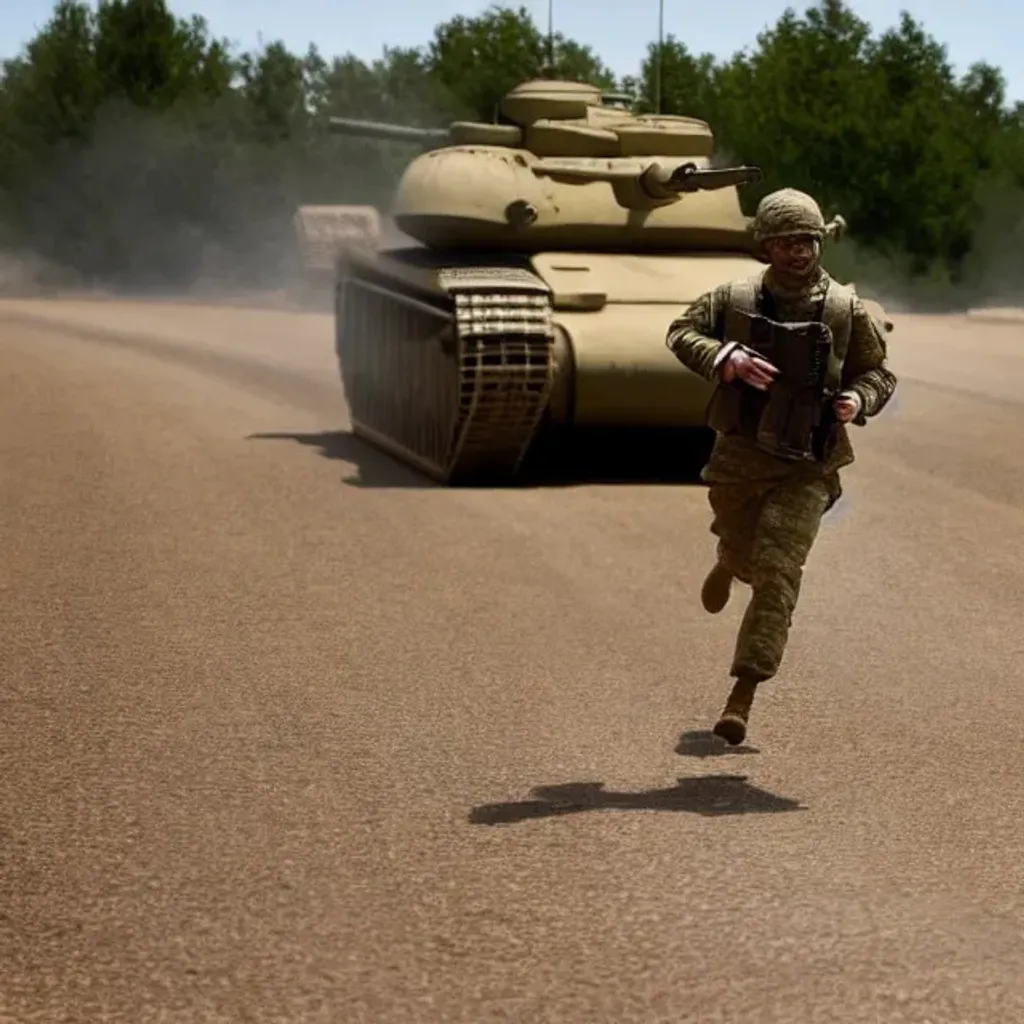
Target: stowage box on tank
[[555, 248], [321, 235]]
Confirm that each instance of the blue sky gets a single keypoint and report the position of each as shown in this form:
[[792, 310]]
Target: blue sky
[[618, 30]]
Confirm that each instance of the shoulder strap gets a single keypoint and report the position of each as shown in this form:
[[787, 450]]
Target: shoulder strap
[[744, 297], [838, 310], [837, 313], [744, 294]]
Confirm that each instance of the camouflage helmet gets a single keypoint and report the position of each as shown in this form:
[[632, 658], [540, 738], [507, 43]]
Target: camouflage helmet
[[787, 212]]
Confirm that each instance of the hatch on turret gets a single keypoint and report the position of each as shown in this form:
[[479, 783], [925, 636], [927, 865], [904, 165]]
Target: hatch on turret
[[542, 98]]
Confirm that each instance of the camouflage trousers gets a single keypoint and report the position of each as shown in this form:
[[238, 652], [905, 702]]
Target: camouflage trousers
[[765, 530]]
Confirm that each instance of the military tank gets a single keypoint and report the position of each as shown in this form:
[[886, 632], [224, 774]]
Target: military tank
[[554, 248]]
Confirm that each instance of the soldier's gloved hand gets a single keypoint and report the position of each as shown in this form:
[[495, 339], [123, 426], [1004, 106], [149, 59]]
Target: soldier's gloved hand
[[847, 405], [757, 372]]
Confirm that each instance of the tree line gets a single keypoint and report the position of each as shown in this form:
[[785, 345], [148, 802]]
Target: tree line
[[137, 149]]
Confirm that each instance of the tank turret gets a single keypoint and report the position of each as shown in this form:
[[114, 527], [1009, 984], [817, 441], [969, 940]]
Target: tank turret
[[567, 166]]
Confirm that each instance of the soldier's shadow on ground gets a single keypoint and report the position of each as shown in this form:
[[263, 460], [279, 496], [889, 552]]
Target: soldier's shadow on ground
[[604, 457], [710, 796], [703, 743]]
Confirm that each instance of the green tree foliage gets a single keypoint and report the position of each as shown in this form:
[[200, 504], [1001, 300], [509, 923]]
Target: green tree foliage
[[682, 84], [136, 148], [877, 128], [479, 59]]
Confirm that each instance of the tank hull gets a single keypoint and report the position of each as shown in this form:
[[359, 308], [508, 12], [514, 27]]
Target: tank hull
[[457, 363]]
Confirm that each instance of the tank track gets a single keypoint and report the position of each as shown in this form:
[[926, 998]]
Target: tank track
[[453, 376]]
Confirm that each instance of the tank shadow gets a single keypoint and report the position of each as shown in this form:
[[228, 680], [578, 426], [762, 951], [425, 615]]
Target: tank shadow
[[703, 743], [710, 796], [587, 457], [598, 456], [374, 469]]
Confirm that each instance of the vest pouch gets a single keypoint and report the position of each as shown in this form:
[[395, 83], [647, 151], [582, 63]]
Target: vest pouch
[[786, 427], [789, 414], [736, 408]]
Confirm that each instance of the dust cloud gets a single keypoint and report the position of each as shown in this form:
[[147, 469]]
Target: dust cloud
[[991, 277], [155, 207], [162, 207]]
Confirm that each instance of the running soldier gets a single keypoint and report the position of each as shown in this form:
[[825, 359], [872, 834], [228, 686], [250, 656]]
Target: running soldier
[[796, 357]]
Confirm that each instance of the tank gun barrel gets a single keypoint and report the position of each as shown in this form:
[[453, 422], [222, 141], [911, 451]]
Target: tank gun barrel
[[390, 132], [648, 183], [659, 181], [663, 183]]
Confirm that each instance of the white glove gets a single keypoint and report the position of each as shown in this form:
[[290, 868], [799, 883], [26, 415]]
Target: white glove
[[743, 365]]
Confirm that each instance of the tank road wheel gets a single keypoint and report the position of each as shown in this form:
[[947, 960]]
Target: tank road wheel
[[454, 382]]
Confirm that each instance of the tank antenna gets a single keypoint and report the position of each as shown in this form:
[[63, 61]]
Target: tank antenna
[[657, 63], [551, 38]]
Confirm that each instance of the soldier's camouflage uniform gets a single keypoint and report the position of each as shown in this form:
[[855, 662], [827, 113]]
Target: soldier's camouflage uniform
[[766, 509]]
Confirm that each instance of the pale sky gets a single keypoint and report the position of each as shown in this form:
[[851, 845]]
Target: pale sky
[[618, 30]]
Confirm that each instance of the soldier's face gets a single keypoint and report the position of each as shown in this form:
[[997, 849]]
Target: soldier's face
[[794, 257]]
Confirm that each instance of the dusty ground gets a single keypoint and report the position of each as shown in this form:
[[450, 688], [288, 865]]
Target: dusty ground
[[289, 736]]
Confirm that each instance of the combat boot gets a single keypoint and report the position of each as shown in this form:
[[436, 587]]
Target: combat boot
[[732, 725], [714, 595]]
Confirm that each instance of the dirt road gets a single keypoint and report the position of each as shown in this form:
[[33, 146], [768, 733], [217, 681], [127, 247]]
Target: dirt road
[[291, 736]]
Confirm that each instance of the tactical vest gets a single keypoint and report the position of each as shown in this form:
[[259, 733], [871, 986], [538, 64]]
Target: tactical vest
[[738, 408]]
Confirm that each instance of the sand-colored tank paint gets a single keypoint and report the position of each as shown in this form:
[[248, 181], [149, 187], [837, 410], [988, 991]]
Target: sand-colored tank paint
[[470, 198], [609, 306]]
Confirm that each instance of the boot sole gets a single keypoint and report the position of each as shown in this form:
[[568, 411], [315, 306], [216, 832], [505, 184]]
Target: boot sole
[[730, 729], [715, 596]]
